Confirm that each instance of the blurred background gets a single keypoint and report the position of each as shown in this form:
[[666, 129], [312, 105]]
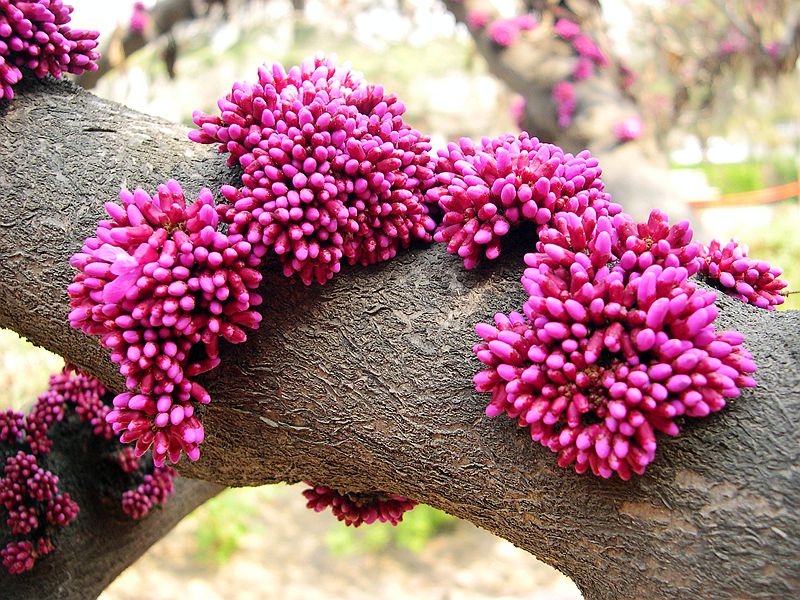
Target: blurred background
[[691, 106]]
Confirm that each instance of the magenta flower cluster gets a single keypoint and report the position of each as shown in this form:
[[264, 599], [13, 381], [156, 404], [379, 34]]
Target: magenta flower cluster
[[357, 509], [140, 18], [566, 101], [161, 284], [477, 18], [12, 427], [590, 57], [738, 275], [615, 344], [34, 506], [629, 129], [85, 395], [486, 189], [155, 490], [19, 557], [29, 493], [505, 32], [34, 34], [331, 170], [583, 44]]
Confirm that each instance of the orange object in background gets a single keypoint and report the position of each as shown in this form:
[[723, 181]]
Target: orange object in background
[[764, 196]]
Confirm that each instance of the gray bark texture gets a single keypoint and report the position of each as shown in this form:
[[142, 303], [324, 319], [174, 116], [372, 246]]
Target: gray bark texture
[[365, 383]]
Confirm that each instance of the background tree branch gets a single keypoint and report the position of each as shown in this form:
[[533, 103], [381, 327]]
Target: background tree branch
[[365, 383], [102, 541], [124, 41], [635, 170]]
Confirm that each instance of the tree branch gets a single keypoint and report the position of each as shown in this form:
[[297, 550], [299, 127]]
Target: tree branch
[[102, 541], [165, 15], [365, 383], [635, 170]]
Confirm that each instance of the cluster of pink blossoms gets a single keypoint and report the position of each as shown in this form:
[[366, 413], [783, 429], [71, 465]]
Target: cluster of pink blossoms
[[750, 280], [477, 18], [34, 34], [29, 493], [160, 284], [590, 56], [357, 509], [629, 129], [505, 32], [566, 101], [34, 505], [331, 170], [583, 44], [140, 18], [85, 394], [616, 343], [486, 189], [154, 490]]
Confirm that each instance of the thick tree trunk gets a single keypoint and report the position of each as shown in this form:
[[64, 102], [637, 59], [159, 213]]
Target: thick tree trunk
[[365, 383]]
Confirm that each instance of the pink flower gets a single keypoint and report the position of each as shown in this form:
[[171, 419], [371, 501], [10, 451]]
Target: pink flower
[[160, 278], [36, 35], [525, 22], [165, 423], [587, 48], [503, 32], [567, 29], [628, 129], [750, 280], [30, 496], [584, 69], [477, 19], [140, 19], [566, 102], [331, 170], [356, 509], [156, 489], [606, 356], [161, 284], [486, 189]]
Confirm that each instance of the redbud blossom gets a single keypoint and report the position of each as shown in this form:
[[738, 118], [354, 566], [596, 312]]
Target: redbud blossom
[[357, 509]]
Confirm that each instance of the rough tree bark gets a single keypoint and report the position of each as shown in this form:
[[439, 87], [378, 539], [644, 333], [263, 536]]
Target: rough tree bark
[[635, 170], [365, 383]]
